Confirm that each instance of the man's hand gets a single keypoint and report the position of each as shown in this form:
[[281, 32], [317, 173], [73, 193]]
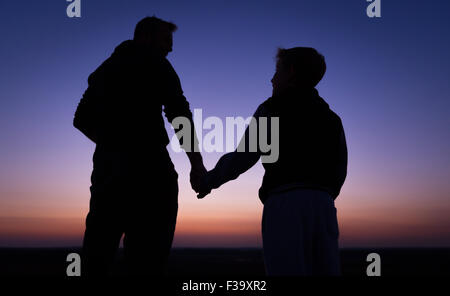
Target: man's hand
[[198, 170], [204, 187], [197, 173]]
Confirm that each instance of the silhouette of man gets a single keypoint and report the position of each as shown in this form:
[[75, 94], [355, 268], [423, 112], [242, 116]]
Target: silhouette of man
[[299, 225], [134, 184]]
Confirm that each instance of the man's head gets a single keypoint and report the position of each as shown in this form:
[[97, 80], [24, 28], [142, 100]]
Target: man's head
[[155, 33], [297, 68]]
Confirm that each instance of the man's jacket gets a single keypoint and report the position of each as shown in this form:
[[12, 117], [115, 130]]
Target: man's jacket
[[121, 109]]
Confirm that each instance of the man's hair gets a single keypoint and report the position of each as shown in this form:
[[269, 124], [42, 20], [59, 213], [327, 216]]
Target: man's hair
[[308, 64], [150, 25]]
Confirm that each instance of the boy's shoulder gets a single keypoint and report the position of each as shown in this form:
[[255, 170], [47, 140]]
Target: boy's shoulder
[[267, 107], [272, 107]]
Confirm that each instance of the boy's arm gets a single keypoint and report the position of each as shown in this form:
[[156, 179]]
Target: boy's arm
[[229, 167], [233, 164]]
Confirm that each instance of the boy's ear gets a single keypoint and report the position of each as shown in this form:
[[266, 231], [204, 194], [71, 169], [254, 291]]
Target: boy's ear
[[292, 70]]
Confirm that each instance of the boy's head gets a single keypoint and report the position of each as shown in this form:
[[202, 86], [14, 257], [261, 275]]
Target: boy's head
[[155, 33], [298, 68]]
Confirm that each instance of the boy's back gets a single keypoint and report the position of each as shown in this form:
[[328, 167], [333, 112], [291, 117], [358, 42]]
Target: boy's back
[[312, 147]]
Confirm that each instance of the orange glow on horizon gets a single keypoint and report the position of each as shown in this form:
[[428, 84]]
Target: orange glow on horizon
[[231, 216]]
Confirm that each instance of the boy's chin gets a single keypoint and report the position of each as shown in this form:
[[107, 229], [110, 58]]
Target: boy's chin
[[276, 92]]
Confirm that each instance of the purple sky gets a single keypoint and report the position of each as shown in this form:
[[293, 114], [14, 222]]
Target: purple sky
[[387, 78]]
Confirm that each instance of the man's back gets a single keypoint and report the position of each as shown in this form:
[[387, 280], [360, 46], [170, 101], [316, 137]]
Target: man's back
[[134, 188], [123, 103]]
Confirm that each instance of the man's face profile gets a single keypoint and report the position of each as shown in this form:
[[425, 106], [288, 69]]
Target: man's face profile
[[164, 41]]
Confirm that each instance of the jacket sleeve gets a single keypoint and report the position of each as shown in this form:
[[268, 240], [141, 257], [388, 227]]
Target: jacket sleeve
[[87, 113], [342, 158], [176, 104], [233, 164], [84, 119]]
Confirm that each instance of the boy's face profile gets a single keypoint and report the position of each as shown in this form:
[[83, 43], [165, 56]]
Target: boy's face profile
[[282, 78]]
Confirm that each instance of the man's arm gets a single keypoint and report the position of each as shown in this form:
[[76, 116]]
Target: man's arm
[[176, 105], [88, 111], [179, 107], [85, 116], [342, 160]]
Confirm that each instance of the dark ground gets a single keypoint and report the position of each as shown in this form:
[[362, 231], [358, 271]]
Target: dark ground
[[236, 262]]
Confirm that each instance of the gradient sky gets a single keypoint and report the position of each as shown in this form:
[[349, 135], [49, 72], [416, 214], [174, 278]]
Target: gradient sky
[[387, 78]]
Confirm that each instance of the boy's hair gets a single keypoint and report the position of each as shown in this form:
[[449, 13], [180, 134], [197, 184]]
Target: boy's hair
[[149, 25], [308, 64]]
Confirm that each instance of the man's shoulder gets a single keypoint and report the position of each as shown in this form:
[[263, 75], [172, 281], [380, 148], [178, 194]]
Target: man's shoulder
[[167, 66], [334, 117], [110, 64]]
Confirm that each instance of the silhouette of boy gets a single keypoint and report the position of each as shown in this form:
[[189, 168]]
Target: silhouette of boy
[[134, 184], [299, 224]]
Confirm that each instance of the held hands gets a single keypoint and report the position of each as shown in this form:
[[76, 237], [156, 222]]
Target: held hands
[[204, 187], [199, 181], [198, 171], [199, 176]]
